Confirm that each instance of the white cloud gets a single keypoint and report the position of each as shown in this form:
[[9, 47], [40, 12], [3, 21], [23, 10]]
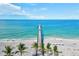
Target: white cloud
[[33, 4], [37, 16], [43, 9], [9, 10], [39, 9]]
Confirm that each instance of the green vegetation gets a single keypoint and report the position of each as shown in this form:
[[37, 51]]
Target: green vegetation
[[49, 49], [55, 48], [21, 49], [35, 46], [8, 51], [43, 49]]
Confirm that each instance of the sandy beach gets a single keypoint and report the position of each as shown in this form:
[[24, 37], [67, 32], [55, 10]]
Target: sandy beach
[[68, 47]]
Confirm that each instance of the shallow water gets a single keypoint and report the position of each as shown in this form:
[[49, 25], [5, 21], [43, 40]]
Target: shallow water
[[10, 29]]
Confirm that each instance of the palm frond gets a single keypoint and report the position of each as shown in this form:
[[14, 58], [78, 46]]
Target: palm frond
[[21, 48], [8, 51]]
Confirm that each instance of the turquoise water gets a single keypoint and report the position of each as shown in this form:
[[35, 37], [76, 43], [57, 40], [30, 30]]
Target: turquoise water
[[12, 29]]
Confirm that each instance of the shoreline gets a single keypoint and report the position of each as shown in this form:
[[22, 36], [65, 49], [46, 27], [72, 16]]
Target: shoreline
[[69, 47], [34, 38]]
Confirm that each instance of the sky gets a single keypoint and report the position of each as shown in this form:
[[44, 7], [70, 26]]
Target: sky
[[39, 11]]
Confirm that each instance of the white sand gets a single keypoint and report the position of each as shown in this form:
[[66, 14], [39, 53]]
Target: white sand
[[68, 47]]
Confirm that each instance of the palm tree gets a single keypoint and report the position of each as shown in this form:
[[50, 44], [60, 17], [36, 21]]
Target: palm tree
[[48, 47], [21, 49], [55, 48], [35, 45], [43, 49], [8, 51]]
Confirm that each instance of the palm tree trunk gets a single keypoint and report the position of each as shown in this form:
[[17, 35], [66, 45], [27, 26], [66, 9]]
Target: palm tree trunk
[[43, 52], [36, 52], [42, 49], [21, 53], [56, 53]]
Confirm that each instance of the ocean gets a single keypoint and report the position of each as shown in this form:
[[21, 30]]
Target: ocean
[[20, 29]]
